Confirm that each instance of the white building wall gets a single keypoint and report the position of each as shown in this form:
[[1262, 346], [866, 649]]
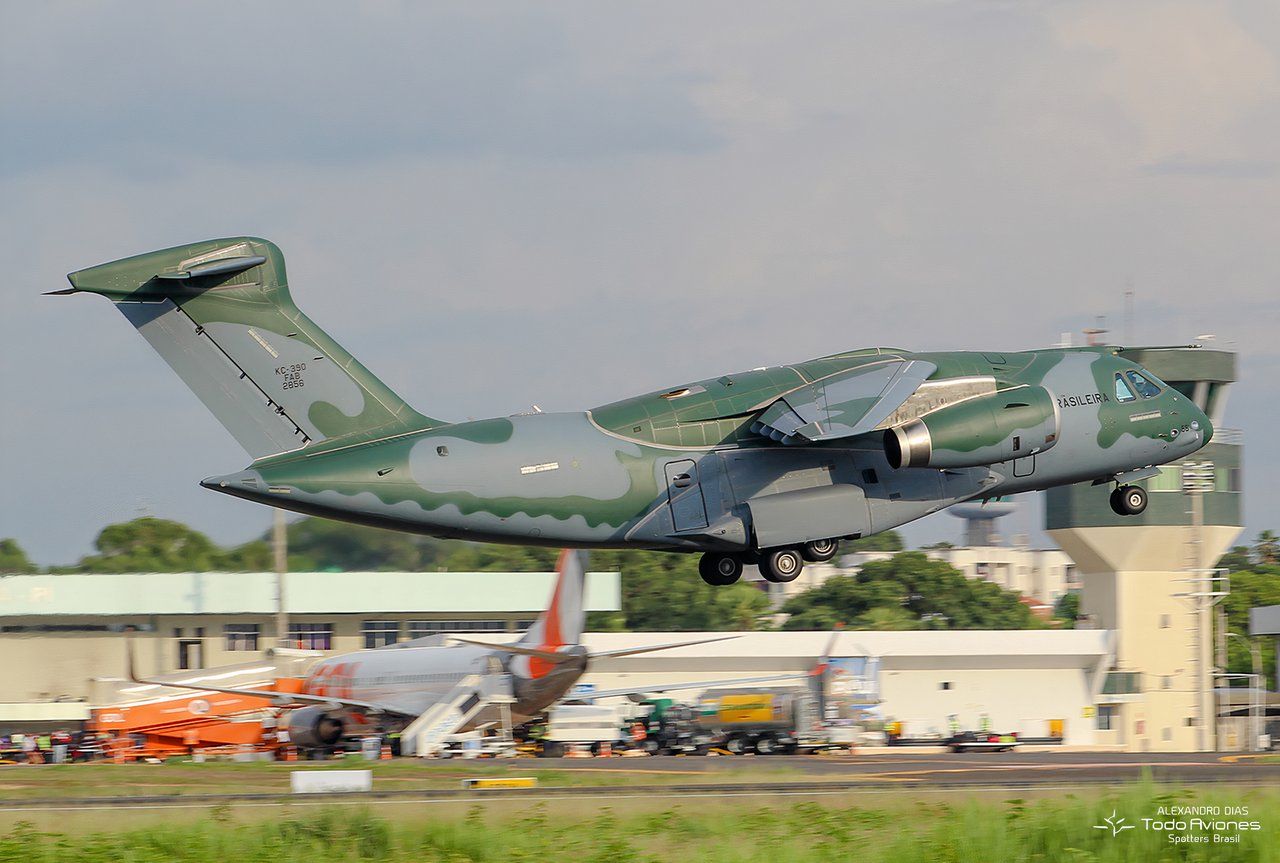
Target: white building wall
[[1015, 699]]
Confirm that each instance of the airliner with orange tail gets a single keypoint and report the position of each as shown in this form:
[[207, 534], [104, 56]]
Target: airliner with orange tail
[[386, 688]]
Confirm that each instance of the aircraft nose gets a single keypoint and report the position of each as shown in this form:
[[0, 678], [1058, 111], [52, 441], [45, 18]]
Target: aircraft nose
[[1206, 427], [1199, 422]]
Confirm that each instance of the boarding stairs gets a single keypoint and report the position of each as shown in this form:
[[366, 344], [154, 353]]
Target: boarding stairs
[[429, 734]]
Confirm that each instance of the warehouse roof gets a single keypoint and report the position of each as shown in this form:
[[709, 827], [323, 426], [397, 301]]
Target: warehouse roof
[[305, 593]]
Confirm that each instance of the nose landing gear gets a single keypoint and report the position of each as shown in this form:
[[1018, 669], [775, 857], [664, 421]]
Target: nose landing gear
[[1128, 500]]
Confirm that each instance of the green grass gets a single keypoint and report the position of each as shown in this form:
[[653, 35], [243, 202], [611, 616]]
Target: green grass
[[897, 828]]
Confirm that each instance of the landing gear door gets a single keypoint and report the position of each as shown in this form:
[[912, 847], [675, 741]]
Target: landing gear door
[[684, 491], [1024, 466]]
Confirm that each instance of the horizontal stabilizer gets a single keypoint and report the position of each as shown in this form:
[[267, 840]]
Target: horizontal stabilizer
[[220, 267], [548, 655]]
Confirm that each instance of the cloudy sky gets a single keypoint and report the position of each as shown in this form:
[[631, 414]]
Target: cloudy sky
[[497, 205]]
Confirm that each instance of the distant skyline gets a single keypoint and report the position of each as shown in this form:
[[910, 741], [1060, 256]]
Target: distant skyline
[[564, 204]]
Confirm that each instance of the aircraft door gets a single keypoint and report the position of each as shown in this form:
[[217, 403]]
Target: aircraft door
[[684, 491]]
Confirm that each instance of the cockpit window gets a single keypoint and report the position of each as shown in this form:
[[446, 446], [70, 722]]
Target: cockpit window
[[1123, 393], [1143, 385]]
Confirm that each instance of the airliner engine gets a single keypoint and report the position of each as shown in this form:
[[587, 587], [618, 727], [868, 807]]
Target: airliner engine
[[313, 727]]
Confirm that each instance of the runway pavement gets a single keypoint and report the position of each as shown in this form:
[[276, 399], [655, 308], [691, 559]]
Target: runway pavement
[[984, 768]]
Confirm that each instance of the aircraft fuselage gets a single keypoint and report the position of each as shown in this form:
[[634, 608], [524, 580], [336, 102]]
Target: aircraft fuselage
[[687, 469]]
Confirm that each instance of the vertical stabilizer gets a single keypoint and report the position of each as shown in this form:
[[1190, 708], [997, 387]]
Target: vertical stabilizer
[[220, 314], [562, 623]]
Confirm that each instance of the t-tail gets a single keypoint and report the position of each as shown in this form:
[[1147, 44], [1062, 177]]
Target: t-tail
[[220, 314]]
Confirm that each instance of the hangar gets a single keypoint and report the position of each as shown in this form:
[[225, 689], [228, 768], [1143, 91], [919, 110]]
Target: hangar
[[1029, 681]]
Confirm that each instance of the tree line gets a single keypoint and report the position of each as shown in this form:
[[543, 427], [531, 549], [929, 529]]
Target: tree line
[[660, 590]]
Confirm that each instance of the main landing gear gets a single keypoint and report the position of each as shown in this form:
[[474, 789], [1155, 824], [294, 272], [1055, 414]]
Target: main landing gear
[[719, 570], [778, 565], [1128, 500]]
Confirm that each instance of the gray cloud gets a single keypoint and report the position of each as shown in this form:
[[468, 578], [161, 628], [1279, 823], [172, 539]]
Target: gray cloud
[[150, 87], [492, 206]]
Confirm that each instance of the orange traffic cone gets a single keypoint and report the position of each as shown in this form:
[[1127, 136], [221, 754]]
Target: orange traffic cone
[[604, 750], [386, 753]]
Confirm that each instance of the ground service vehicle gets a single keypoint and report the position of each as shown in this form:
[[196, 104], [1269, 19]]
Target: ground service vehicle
[[584, 725], [764, 721]]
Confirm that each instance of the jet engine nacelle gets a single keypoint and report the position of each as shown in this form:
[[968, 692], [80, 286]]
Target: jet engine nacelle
[[314, 727], [1005, 425]]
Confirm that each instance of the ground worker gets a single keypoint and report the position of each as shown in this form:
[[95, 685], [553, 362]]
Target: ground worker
[[61, 741], [30, 750]]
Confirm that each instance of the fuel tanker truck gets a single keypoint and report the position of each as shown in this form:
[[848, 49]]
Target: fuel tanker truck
[[764, 721]]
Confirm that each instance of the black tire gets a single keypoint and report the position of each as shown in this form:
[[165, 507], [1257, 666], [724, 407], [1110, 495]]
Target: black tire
[[1135, 498], [1117, 502], [781, 565], [766, 745], [736, 745], [719, 570], [820, 550], [1129, 500]]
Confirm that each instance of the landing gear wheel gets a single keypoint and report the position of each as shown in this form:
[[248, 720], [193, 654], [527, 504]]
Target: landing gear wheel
[[719, 570], [781, 565], [820, 550], [1129, 500]]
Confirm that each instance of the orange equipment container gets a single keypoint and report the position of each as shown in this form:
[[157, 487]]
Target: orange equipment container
[[184, 720]]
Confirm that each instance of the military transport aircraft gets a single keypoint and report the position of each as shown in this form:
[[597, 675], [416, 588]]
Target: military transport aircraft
[[771, 466], [430, 688]]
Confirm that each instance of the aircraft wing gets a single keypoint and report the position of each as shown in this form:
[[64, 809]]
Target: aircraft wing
[[280, 699], [843, 405], [700, 684], [632, 651]]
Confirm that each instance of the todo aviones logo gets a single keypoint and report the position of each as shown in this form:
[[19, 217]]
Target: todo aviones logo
[[1114, 824]]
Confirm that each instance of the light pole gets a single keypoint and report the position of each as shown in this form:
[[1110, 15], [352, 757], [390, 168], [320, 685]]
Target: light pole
[[1259, 687], [280, 553], [1255, 651]]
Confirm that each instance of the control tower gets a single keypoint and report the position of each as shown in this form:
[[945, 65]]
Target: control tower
[[1150, 578], [980, 520]]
